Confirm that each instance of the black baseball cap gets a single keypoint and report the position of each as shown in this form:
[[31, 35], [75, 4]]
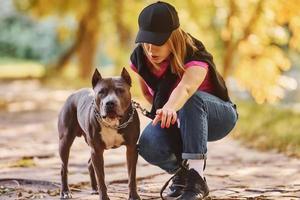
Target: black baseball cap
[[156, 23]]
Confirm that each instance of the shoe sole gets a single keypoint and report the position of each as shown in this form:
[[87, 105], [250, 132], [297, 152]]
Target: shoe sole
[[173, 198]]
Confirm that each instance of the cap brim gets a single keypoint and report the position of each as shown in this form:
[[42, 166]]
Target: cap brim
[[152, 37]]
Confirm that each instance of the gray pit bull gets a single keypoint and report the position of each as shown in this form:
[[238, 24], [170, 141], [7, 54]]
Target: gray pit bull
[[106, 118]]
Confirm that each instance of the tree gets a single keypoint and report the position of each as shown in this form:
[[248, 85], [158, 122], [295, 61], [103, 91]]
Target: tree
[[86, 39], [250, 40], [254, 36]]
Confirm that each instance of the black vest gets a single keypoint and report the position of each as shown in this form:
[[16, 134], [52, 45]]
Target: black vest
[[162, 86]]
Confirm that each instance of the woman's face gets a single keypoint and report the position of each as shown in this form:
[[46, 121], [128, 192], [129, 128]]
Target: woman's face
[[157, 54]]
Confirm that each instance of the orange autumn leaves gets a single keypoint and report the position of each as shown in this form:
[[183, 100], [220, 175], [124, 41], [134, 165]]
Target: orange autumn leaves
[[250, 40]]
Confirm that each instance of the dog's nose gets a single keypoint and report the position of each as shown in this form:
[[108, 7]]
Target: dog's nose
[[110, 104]]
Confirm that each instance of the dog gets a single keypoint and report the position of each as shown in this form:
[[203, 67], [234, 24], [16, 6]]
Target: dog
[[107, 119]]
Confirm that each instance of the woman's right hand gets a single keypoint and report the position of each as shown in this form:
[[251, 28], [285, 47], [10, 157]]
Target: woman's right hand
[[166, 116]]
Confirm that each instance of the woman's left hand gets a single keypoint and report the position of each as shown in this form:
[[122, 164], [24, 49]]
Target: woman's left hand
[[166, 116]]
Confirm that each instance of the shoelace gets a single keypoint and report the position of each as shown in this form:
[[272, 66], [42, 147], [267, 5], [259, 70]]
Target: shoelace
[[183, 167], [177, 180], [190, 185]]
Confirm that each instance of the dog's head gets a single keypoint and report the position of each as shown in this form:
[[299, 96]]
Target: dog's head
[[112, 95]]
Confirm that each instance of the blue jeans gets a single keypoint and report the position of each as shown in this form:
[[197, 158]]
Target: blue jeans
[[204, 117]]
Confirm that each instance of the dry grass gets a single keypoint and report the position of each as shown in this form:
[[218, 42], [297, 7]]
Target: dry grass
[[269, 127]]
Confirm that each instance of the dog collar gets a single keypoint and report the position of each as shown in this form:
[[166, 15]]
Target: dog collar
[[106, 124]]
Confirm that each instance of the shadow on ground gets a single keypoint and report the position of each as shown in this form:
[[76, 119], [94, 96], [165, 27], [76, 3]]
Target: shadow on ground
[[30, 166]]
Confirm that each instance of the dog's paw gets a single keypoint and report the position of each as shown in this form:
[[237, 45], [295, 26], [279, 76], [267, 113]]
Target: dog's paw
[[94, 192], [65, 195], [134, 197], [104, 198]]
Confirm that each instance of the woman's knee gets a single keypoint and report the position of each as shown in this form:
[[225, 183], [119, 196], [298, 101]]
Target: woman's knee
[[219, 131], [146, 147], [154, 148], [195, 104], [149, 145]]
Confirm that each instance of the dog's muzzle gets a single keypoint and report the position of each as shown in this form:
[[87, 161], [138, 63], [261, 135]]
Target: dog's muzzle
[[111, 110], [101, 119]]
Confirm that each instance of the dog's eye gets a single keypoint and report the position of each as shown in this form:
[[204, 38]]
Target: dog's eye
[[120, 90], [103, 91]]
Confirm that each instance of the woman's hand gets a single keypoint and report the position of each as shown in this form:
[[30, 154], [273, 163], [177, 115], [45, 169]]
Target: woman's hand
[[191, 79], [166, 116]]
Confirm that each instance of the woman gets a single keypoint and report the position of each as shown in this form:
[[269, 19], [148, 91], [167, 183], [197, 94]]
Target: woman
[[190, 101]]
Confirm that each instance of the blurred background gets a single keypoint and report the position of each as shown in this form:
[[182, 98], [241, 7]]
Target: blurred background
[[57, 44]]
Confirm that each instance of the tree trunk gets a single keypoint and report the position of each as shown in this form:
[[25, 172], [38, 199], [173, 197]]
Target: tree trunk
[[85, 42], [65, 58], [90, 28], [123, 32]]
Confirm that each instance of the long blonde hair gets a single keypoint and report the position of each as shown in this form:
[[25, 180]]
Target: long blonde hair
[[177, 43]]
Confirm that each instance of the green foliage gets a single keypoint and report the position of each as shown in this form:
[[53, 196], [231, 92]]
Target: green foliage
[[268, 127], [22, 37]]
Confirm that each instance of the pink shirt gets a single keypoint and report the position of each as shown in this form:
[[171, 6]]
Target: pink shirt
[[205, 86]]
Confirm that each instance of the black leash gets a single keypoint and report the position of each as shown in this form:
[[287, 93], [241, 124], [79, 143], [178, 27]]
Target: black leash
[[150, 115]]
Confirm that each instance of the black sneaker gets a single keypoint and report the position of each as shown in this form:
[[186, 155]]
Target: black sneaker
[[196, 187], [178, 182]]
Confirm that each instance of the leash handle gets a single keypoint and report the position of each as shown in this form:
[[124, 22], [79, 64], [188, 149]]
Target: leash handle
[[149, 115]]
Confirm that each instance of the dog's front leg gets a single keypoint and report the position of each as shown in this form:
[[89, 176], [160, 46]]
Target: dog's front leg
[[98, 163], [132, 156]]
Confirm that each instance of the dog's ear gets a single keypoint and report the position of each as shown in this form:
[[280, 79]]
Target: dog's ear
[[125, 75], [96, 77]]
